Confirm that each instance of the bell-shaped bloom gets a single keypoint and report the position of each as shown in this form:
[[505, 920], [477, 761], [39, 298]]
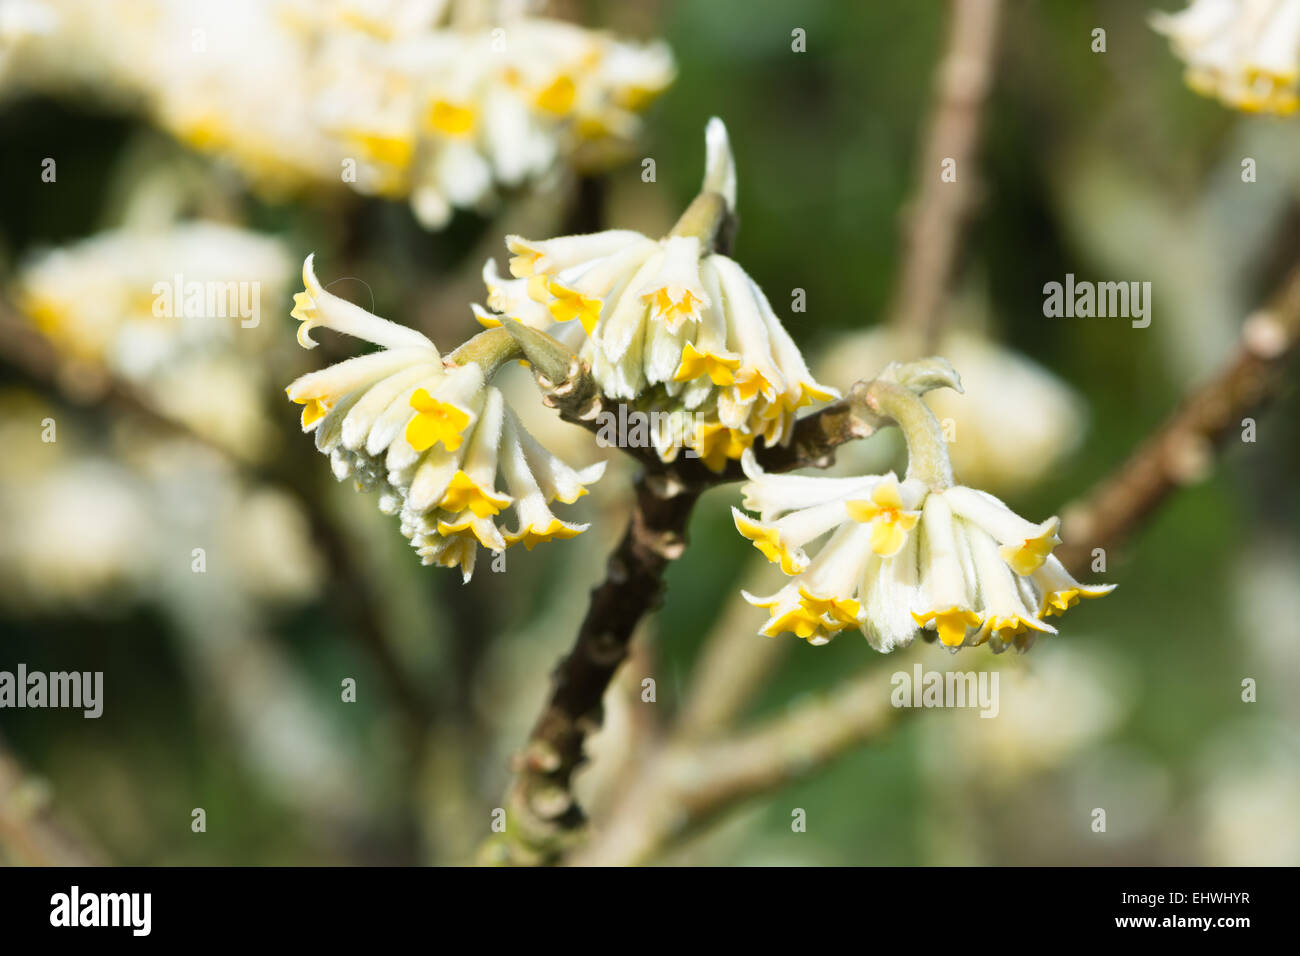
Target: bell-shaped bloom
[[668, 324], [1244, 52], [901, 559], [431, 437]]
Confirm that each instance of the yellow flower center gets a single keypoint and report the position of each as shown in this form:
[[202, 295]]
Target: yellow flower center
[[715, 443], [843, 611], [463, 493], [749, 382], [890, 522], [570, 304], [951, 624], [768, 541], [450, 119], [387, 149], [313, 410], [675, 309], [557, 97], [531, 535], [718, 368], [435, 422], [1027, 557]]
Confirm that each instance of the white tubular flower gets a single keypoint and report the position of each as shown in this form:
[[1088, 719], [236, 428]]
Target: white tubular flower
[[669, 324], [1244, 52], [430, 435], [918, 556]]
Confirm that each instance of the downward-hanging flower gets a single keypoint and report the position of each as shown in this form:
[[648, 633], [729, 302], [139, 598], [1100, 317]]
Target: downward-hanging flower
[[670, 325], [431, 435], [905, 557], [1244, 52]]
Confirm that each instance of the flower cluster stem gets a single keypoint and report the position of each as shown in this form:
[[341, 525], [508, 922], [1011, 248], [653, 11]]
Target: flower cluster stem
[[927, 452], [491, 349]]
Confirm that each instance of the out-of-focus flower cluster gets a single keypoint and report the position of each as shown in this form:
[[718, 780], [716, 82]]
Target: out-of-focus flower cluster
[[89, 522], [175, 312], [1244, 52], [442, 102]]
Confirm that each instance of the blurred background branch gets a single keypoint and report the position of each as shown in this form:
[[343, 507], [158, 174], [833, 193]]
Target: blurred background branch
[[31, 831], [935, 217], [1182, 450]]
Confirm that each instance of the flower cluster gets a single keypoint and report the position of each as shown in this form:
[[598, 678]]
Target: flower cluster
[[902, 558], [447, 115], [174, 310], [917, 556], [442, 102], [670, 325], [431, 436], [1244, 52]]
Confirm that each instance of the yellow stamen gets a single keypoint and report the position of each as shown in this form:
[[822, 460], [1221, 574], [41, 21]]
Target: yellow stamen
[[676, 310]]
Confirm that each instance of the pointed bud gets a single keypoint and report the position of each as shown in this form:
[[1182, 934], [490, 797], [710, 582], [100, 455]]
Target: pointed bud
[[711, 216], [923, 375], [719, 164]]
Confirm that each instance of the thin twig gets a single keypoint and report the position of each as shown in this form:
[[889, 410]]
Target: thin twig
[[688, 782], [1181, 451], [30, 830], [931, 236]]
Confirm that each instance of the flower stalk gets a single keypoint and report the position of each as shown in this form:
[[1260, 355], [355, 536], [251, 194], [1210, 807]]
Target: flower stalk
[[927, 452]]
